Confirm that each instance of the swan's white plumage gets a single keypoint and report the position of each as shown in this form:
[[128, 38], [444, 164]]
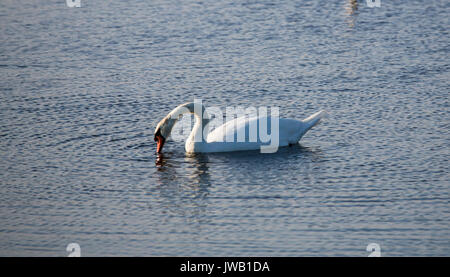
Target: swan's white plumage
[[289, 131]]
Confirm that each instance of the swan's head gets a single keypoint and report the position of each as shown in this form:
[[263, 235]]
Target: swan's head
[[160, 140], [163, 130], [165, 126]]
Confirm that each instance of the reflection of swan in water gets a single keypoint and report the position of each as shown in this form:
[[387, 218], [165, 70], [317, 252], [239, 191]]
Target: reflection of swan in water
[[192, 182], [199, 163], [160, 161], [183, 186], [293, 154], [184, 181], [352, 8], [196, 173]]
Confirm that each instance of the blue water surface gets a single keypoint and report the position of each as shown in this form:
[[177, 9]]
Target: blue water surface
[[82, 89]]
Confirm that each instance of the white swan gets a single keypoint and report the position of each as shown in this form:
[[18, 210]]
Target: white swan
[[290, 131]]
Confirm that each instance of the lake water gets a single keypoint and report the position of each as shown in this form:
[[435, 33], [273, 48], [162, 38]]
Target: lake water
[[82, 89]]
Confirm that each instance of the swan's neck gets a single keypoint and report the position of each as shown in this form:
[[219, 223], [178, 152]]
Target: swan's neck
[[200, 130], [197, 137]]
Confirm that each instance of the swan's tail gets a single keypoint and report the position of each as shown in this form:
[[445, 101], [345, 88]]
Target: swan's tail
[[314, 119]]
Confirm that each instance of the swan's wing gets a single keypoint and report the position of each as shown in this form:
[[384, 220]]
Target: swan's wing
[[233, 131], [247, 130]]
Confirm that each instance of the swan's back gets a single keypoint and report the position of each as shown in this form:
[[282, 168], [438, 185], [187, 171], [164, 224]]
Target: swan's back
[[290, 131]]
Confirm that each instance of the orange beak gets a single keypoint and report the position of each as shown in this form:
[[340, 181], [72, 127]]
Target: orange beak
[[160, 141]]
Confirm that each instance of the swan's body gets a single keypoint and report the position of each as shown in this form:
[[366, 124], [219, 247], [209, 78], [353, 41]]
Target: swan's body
[[237, 134]]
